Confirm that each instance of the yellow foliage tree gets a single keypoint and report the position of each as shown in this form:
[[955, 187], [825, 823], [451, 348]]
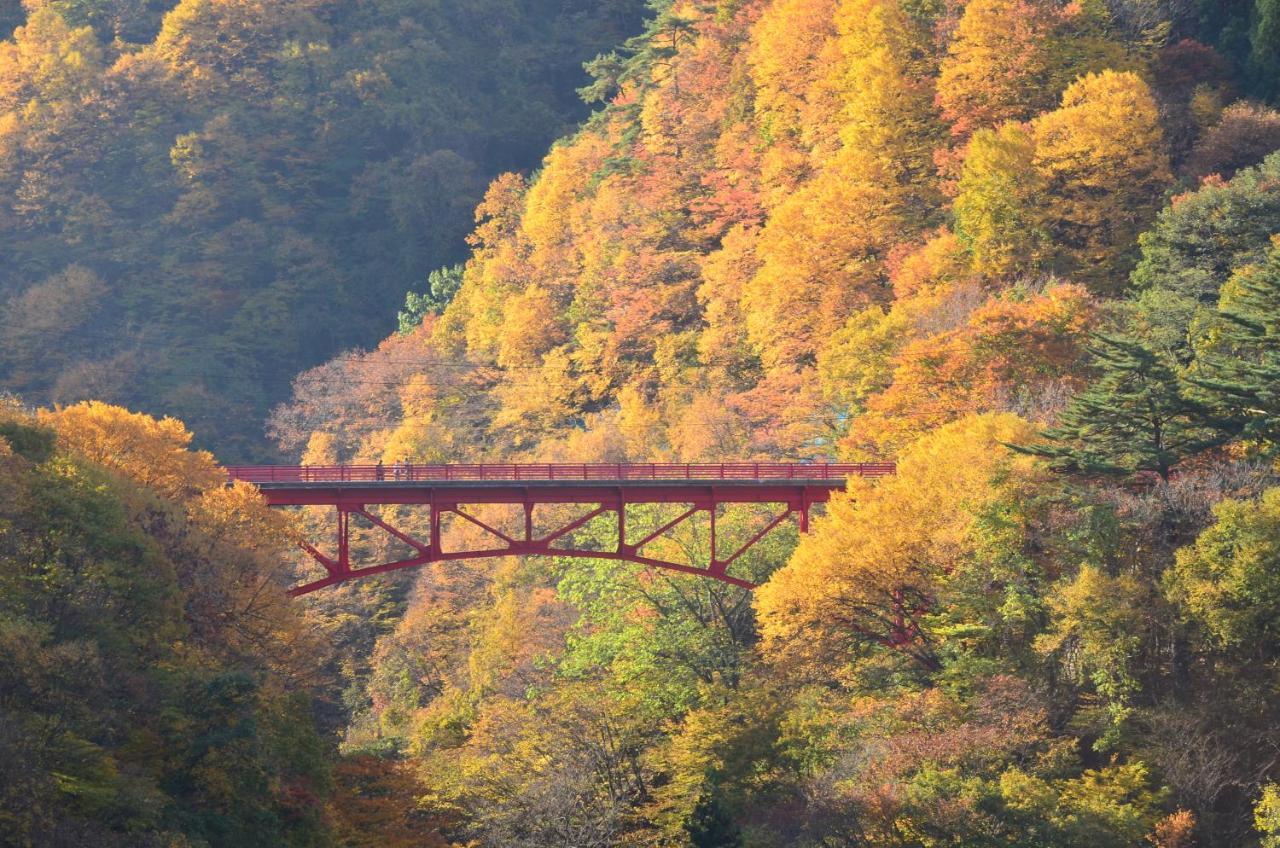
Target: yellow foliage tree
[[1102, 156], [48, 61], [703, 428], [214, 44], [884, 74], [821, 258], [996, 207], [322, 449], [821, 251], [153, 452], [641, 425], [856, 363], [472, 321], [787, 55], [873, 565], [531, 326], [723, 342], [235, 570], [552, 224], [934, 266], [538, 400], [996, 67], [420, 436], [934, 290]]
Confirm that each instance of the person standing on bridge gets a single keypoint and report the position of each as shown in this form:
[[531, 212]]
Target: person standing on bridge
[[379, 472]]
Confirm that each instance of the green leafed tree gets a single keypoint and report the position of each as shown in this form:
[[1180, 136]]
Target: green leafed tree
[[1196, 244], [1229, 580], [442, 285], [147, 692], [1264, 53]]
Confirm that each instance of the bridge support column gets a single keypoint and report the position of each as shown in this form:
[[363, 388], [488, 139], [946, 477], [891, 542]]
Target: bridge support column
[[434, 547], [622, 522], [344, 540], [714, 566]]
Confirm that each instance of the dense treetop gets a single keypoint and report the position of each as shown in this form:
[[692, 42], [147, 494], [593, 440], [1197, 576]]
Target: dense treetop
[[155, 681]]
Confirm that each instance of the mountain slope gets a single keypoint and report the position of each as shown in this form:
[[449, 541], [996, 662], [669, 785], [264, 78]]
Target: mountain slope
[[200, 204]]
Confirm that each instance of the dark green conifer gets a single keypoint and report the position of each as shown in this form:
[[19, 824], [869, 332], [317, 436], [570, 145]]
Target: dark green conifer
[[1137, 416], [1237, 367]]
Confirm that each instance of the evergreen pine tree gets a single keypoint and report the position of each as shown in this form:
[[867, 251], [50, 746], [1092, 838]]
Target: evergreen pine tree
[[1137, 416], [1237, 368], [1263, 63]]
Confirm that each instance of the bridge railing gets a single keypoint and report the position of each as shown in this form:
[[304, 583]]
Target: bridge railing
[[544, 472]]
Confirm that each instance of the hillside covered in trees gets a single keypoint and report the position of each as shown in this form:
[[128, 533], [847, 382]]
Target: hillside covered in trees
[[1029, 249], [155, 689], [198, 199], [866, 229]]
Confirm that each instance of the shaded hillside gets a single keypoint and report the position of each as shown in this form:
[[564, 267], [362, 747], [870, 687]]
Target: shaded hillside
[[200, 199]]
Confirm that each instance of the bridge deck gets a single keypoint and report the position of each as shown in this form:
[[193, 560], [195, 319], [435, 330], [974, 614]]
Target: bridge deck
[[555, 473], [551, 483]]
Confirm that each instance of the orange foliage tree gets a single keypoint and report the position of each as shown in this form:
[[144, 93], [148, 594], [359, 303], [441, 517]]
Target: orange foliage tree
[[1016, 351]]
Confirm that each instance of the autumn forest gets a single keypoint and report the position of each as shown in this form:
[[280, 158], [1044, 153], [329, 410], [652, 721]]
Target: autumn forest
[[1028, 250]]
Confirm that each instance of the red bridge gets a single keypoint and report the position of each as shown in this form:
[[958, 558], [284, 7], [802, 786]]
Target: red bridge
[[600, 489]]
